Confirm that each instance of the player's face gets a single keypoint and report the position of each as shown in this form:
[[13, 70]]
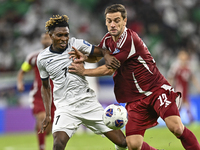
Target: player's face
[[60, 37], [46, 40], [184, 58], [115, 24]]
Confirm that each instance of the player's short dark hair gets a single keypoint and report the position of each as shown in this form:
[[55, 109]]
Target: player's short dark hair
[[117, 8], [56, 21]]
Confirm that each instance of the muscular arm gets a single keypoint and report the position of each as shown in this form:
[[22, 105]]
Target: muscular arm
[[93, 59], [46, 96], [111, 61], [47, 100], [78, 68]]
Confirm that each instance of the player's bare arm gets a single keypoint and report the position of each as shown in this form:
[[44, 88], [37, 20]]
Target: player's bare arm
[[75, 54], [78, 68], [20, 77], [110, 61], [47, 100]]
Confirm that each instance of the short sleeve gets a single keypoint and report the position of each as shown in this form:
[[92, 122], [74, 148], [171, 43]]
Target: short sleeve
[[43, 73], [84, 46]]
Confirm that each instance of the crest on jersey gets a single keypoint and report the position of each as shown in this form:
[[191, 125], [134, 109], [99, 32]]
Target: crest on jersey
[[116, 51], [49, 61]]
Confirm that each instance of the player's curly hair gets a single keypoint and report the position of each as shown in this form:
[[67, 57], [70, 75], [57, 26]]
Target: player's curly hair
[[116, 8], [56, 21]]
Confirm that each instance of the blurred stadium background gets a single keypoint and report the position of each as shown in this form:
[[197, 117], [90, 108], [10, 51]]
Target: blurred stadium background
[[164, 25]]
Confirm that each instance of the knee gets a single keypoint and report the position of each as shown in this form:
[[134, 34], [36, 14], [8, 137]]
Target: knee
[[134, 144], [177, 130], [123, 143], [117, 137], [175, 125]]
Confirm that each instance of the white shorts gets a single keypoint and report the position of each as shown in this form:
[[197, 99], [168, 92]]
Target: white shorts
[[88, 112]]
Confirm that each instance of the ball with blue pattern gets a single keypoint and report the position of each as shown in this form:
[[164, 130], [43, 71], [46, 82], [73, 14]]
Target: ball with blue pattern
[[115, 116]]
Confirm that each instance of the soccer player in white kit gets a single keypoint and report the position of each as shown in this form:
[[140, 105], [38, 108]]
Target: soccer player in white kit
[[75, 102]]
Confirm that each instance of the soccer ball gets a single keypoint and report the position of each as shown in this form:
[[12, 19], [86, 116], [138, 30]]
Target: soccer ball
[[115, 116]]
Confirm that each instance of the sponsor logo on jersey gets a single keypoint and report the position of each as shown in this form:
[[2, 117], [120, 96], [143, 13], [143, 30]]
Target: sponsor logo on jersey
[[49, 61], [116, 51]]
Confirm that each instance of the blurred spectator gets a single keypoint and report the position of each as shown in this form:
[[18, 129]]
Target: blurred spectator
[[164, 25], [180, 75]]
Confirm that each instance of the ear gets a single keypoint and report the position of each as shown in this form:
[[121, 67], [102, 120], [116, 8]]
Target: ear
[[125, 21], [50, 34]]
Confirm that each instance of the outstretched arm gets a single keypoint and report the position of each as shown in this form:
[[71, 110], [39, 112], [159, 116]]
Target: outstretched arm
[[47, 100], [25, 67], [78, 68], [110, 61], [20, 77]]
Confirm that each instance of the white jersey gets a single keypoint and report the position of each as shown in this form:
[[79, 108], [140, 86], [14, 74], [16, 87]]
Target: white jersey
[[68, 88]]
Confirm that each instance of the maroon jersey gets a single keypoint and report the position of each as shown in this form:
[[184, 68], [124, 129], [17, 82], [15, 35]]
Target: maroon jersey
[[35, 93], [138, 75], [181, 77]]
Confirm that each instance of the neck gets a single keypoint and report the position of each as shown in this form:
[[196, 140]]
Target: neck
[[57, 50]]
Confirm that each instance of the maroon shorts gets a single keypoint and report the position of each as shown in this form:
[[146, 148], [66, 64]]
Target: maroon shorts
[[38, 107], [143, 114]]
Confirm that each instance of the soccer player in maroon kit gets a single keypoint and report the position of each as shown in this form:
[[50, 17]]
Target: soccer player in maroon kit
[[138, 83], [37, 105], [179, 76]]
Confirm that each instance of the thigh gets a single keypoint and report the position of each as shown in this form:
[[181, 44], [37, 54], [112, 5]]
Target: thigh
[[39, 118], [93, 120], [37, 106], [66, 121], [140, 117], [165, 103]]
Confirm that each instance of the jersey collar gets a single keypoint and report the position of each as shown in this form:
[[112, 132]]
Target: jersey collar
[[50, 49]]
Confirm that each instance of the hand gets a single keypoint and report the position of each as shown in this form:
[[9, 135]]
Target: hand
[[111, 62], [77, 56], [45, 123], [77, 68]]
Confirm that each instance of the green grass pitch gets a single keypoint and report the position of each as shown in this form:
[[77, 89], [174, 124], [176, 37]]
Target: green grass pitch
[[158, 137]]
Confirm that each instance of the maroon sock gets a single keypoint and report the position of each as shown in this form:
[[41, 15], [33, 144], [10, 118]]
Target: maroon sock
[[41, 140], [146, 146], [188, 140]]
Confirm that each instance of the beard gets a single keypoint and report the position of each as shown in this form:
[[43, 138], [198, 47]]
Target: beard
[[117, 33]]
